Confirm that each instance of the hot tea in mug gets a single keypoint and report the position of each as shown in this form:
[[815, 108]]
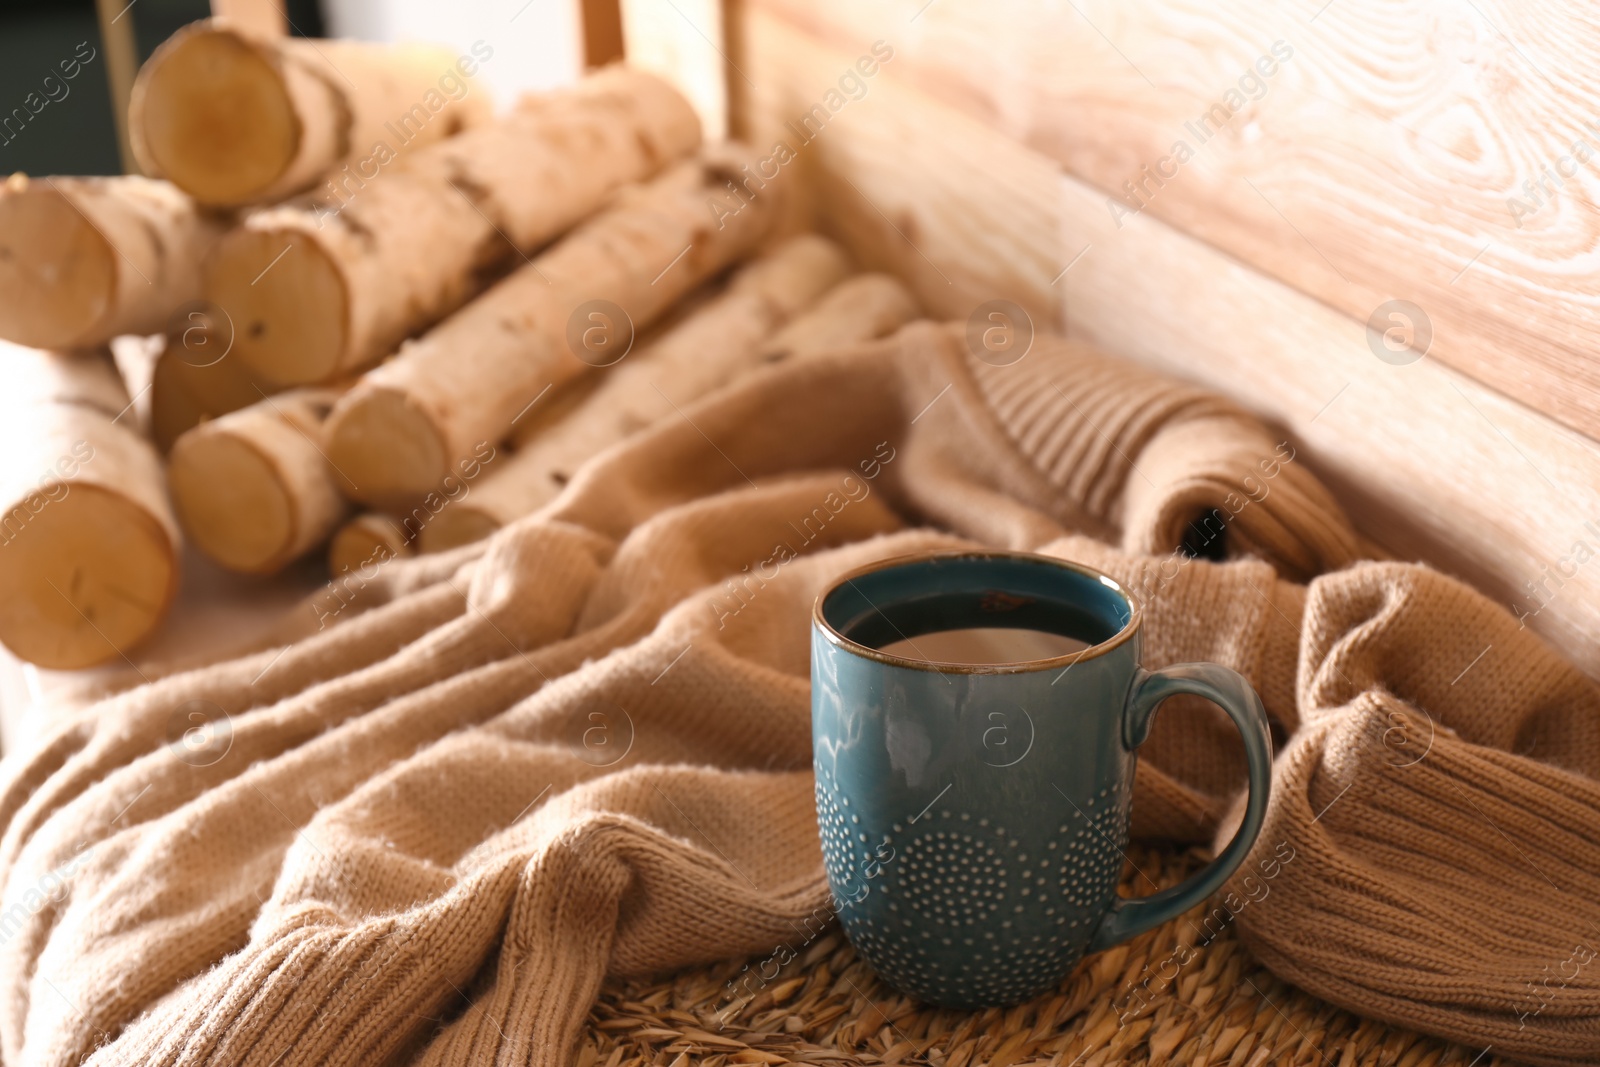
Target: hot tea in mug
[[975, 718]]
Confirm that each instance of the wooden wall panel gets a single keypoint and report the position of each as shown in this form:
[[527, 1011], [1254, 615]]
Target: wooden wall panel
[[1420, 150], [957, 249], [1432, 464]]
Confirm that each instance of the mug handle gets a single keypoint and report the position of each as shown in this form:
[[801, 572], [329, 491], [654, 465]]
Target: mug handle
[[1228, 689]]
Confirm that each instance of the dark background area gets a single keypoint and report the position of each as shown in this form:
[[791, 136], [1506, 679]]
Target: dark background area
[[76, 134]]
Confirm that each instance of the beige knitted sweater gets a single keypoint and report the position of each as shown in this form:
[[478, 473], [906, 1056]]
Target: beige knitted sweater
[[425, 832]]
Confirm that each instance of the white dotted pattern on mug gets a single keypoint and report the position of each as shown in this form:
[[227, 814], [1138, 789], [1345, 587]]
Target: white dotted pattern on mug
[[844, 842], [958, 911]]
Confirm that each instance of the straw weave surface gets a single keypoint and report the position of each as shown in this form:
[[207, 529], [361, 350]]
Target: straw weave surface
[[1184, 993]]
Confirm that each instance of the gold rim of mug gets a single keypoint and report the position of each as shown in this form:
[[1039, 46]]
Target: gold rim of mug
[[1135, 616]]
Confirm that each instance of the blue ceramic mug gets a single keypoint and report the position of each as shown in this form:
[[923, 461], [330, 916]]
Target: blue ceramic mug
[[973, 814]]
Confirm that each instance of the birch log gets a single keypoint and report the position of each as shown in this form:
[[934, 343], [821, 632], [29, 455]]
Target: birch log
[[728, 338], [88, 545], [85, 259], [235, 118], [398, 432], [321, 289], [186, 391], [253, 489], [859, 309], [371, 538]]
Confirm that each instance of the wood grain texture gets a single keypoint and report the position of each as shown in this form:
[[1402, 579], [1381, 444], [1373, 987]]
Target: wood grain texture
[[88, 543], [1431, 464], [1421, 150], [235, 118], [956, 243]]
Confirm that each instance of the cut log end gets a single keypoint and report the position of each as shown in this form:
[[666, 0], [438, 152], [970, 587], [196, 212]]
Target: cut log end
[[84, 580], [232, 502], [457, 525], [288, 321], [216, 117], [366, 541], [386, 448], [58, 275], [185, 394]]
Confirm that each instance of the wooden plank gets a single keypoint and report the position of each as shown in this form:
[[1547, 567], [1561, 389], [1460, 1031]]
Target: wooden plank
[[957, 249], [122, 65], [1430, 463], [602, 32], [1443, 153], [682, 40]]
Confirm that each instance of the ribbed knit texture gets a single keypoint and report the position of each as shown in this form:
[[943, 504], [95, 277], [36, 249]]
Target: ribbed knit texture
[[583, 747]]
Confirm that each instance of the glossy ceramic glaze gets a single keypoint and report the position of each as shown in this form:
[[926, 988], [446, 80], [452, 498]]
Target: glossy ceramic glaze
[[973, 818]]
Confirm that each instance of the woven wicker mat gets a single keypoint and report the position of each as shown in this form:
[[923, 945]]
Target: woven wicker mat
[[1131, 1005]]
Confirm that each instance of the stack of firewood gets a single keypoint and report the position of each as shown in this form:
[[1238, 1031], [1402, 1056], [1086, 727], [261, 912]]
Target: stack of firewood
[[387, 319]]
